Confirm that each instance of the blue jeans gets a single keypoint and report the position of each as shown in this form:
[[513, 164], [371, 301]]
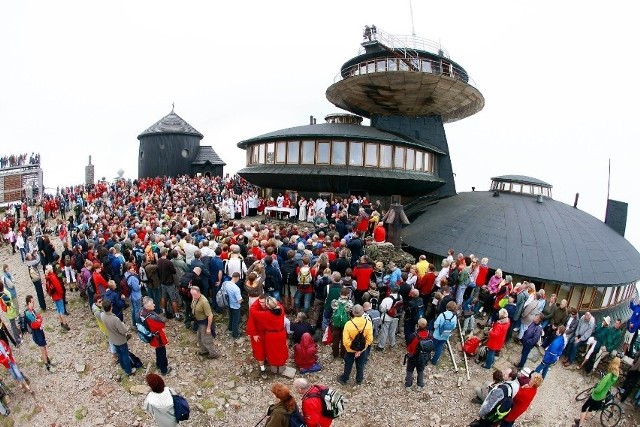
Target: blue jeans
[[161, 359], [572, 349], [154, 293], [460, 294], [523, 358], [275, 294], [23, 253], [302, 299], [349, 359], [136, 305], [543, 368], [234, 321], [491, 356], [438, 345], [123, 357]]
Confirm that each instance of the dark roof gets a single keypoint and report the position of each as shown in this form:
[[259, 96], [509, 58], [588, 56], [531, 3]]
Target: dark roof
[[171, 123], [339, 130], [549, 241], [522, 179], [206, 154]]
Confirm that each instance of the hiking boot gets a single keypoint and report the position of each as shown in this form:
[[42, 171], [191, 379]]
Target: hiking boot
[[203, 353], [212, 356], [339, 379], [133, 371], [66, 327], [169, 369]]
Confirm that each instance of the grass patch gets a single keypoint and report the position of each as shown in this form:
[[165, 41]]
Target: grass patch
[[8, 422], [139, 412], [208, 404], [220, 414], [80, 413], [126, 382], [29, 416]]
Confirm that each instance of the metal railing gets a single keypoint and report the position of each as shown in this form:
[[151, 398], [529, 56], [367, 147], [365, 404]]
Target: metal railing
[[406, 43], [418, 65]]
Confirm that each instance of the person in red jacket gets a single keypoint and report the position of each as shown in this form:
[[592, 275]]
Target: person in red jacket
[[413, 362], [156, 325], [269, 323], [305, 354], [7, 360], [483, 271], [311, 403], [497, 337], [100, 285], [56, 292], [522, 400], [362, 275], [379, 233]]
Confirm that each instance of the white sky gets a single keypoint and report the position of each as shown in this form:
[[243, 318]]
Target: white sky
[[83, 78]]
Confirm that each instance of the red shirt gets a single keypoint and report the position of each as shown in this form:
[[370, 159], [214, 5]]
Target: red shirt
[[521, 402], [362, 274], [413, 345], [425, 283], [379, 234], [312, 409]]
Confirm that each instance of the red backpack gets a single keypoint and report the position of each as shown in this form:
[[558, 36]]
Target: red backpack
[[471, 346]]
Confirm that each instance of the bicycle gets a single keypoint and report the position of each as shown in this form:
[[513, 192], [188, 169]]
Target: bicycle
[[610, 412]]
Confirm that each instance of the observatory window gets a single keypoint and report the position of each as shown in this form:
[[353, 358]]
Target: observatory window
[[281, 152], [141, 155], [426, 66], [184, 153], [403, 66], [255, 149], [411, 159], [355, 153], [339, 153], [430, 162], [371, 155], [392, 64], [386, 156], [271, 152], [371, 67], [517, 188], [324, 151], [576, 296], [363, 68], [308, 152], [607, 296], [563, 293], [381, 65], [398, 158], [261, 154], [293, 152], [587, 298], [419, 159], [597, 302]]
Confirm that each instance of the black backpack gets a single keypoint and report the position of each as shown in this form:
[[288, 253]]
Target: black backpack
[[423, 351], [359, 342], [320, 287], [502, 407]]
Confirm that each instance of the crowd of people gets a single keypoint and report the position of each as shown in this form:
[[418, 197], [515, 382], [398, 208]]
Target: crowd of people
[[11, 160], [174, 249]]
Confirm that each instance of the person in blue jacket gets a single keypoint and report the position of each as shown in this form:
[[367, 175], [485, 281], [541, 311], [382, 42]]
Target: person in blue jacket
[[632, 328], [553, 353]]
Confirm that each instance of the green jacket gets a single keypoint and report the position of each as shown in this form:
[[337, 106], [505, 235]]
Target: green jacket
[[600, 333], [613, 338], [602, 388]]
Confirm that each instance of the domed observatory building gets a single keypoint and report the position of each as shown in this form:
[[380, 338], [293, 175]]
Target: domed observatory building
[[171, 147], [408, 87], [528, 234]]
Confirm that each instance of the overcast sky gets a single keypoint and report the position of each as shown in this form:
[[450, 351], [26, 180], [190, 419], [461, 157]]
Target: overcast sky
[[559, 79]]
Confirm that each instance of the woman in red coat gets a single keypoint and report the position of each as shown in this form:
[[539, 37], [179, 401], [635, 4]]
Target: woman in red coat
[[100, 285], [156, 325], [56, 292], [305, 353], [497, 336], [270, 322], [256, 335], [522, 400]]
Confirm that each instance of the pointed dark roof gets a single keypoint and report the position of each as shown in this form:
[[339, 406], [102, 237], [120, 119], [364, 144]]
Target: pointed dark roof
[[206, 154], [171, 123]]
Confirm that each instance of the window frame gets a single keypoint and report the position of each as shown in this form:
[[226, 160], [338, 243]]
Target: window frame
[[351, 143], [278, 149], [313, 155], [377, 154], [333, 151], [318, 143]]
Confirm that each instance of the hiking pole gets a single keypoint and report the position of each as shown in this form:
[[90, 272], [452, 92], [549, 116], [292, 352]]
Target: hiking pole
[[464, 353], [455, 365]]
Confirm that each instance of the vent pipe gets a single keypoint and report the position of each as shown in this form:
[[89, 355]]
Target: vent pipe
[[539, 199], [575, 202]]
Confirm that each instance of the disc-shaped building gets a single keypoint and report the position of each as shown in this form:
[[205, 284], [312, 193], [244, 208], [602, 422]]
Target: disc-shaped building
[[171, 147]]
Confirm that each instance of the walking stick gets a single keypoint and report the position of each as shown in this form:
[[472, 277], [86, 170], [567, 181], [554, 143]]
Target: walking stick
[[455, 365], [466, 363]]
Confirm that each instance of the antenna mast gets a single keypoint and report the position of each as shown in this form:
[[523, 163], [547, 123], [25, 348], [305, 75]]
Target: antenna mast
[[413, 30], [609, 180]]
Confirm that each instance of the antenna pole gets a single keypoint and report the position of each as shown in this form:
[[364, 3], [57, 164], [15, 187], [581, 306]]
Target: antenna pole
[[413, 30], [609, 180]]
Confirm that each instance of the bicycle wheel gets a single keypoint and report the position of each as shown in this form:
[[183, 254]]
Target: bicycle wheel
[[611, 415], [584, 394]]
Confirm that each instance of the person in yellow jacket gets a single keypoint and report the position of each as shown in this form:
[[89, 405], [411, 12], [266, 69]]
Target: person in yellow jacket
[[357, 338]]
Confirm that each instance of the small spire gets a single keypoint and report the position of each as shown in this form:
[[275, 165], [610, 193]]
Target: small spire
[[173, 105]]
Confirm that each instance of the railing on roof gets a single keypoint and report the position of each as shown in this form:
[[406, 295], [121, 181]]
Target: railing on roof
[[408, 44], [417, 65]]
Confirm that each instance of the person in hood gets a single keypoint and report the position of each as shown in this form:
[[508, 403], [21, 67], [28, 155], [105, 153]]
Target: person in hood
[[306, 354]]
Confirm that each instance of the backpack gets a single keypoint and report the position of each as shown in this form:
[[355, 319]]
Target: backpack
[[481, 354], [359, 343], [270, 283], [296, 419], [143, 275], [304, 278], [33, 274], [423, 351], [91, 289], [144, 333], [447, 326], [222, 297], [24, 327], [415, 310], [471, 345], [340, 317], [503, 406], [396, 307], [180, 407], [332, 401]]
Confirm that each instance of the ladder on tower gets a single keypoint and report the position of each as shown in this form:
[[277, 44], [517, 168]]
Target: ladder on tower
[[394, 46]]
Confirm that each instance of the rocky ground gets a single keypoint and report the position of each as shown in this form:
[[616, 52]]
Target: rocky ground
[[88, 389]]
